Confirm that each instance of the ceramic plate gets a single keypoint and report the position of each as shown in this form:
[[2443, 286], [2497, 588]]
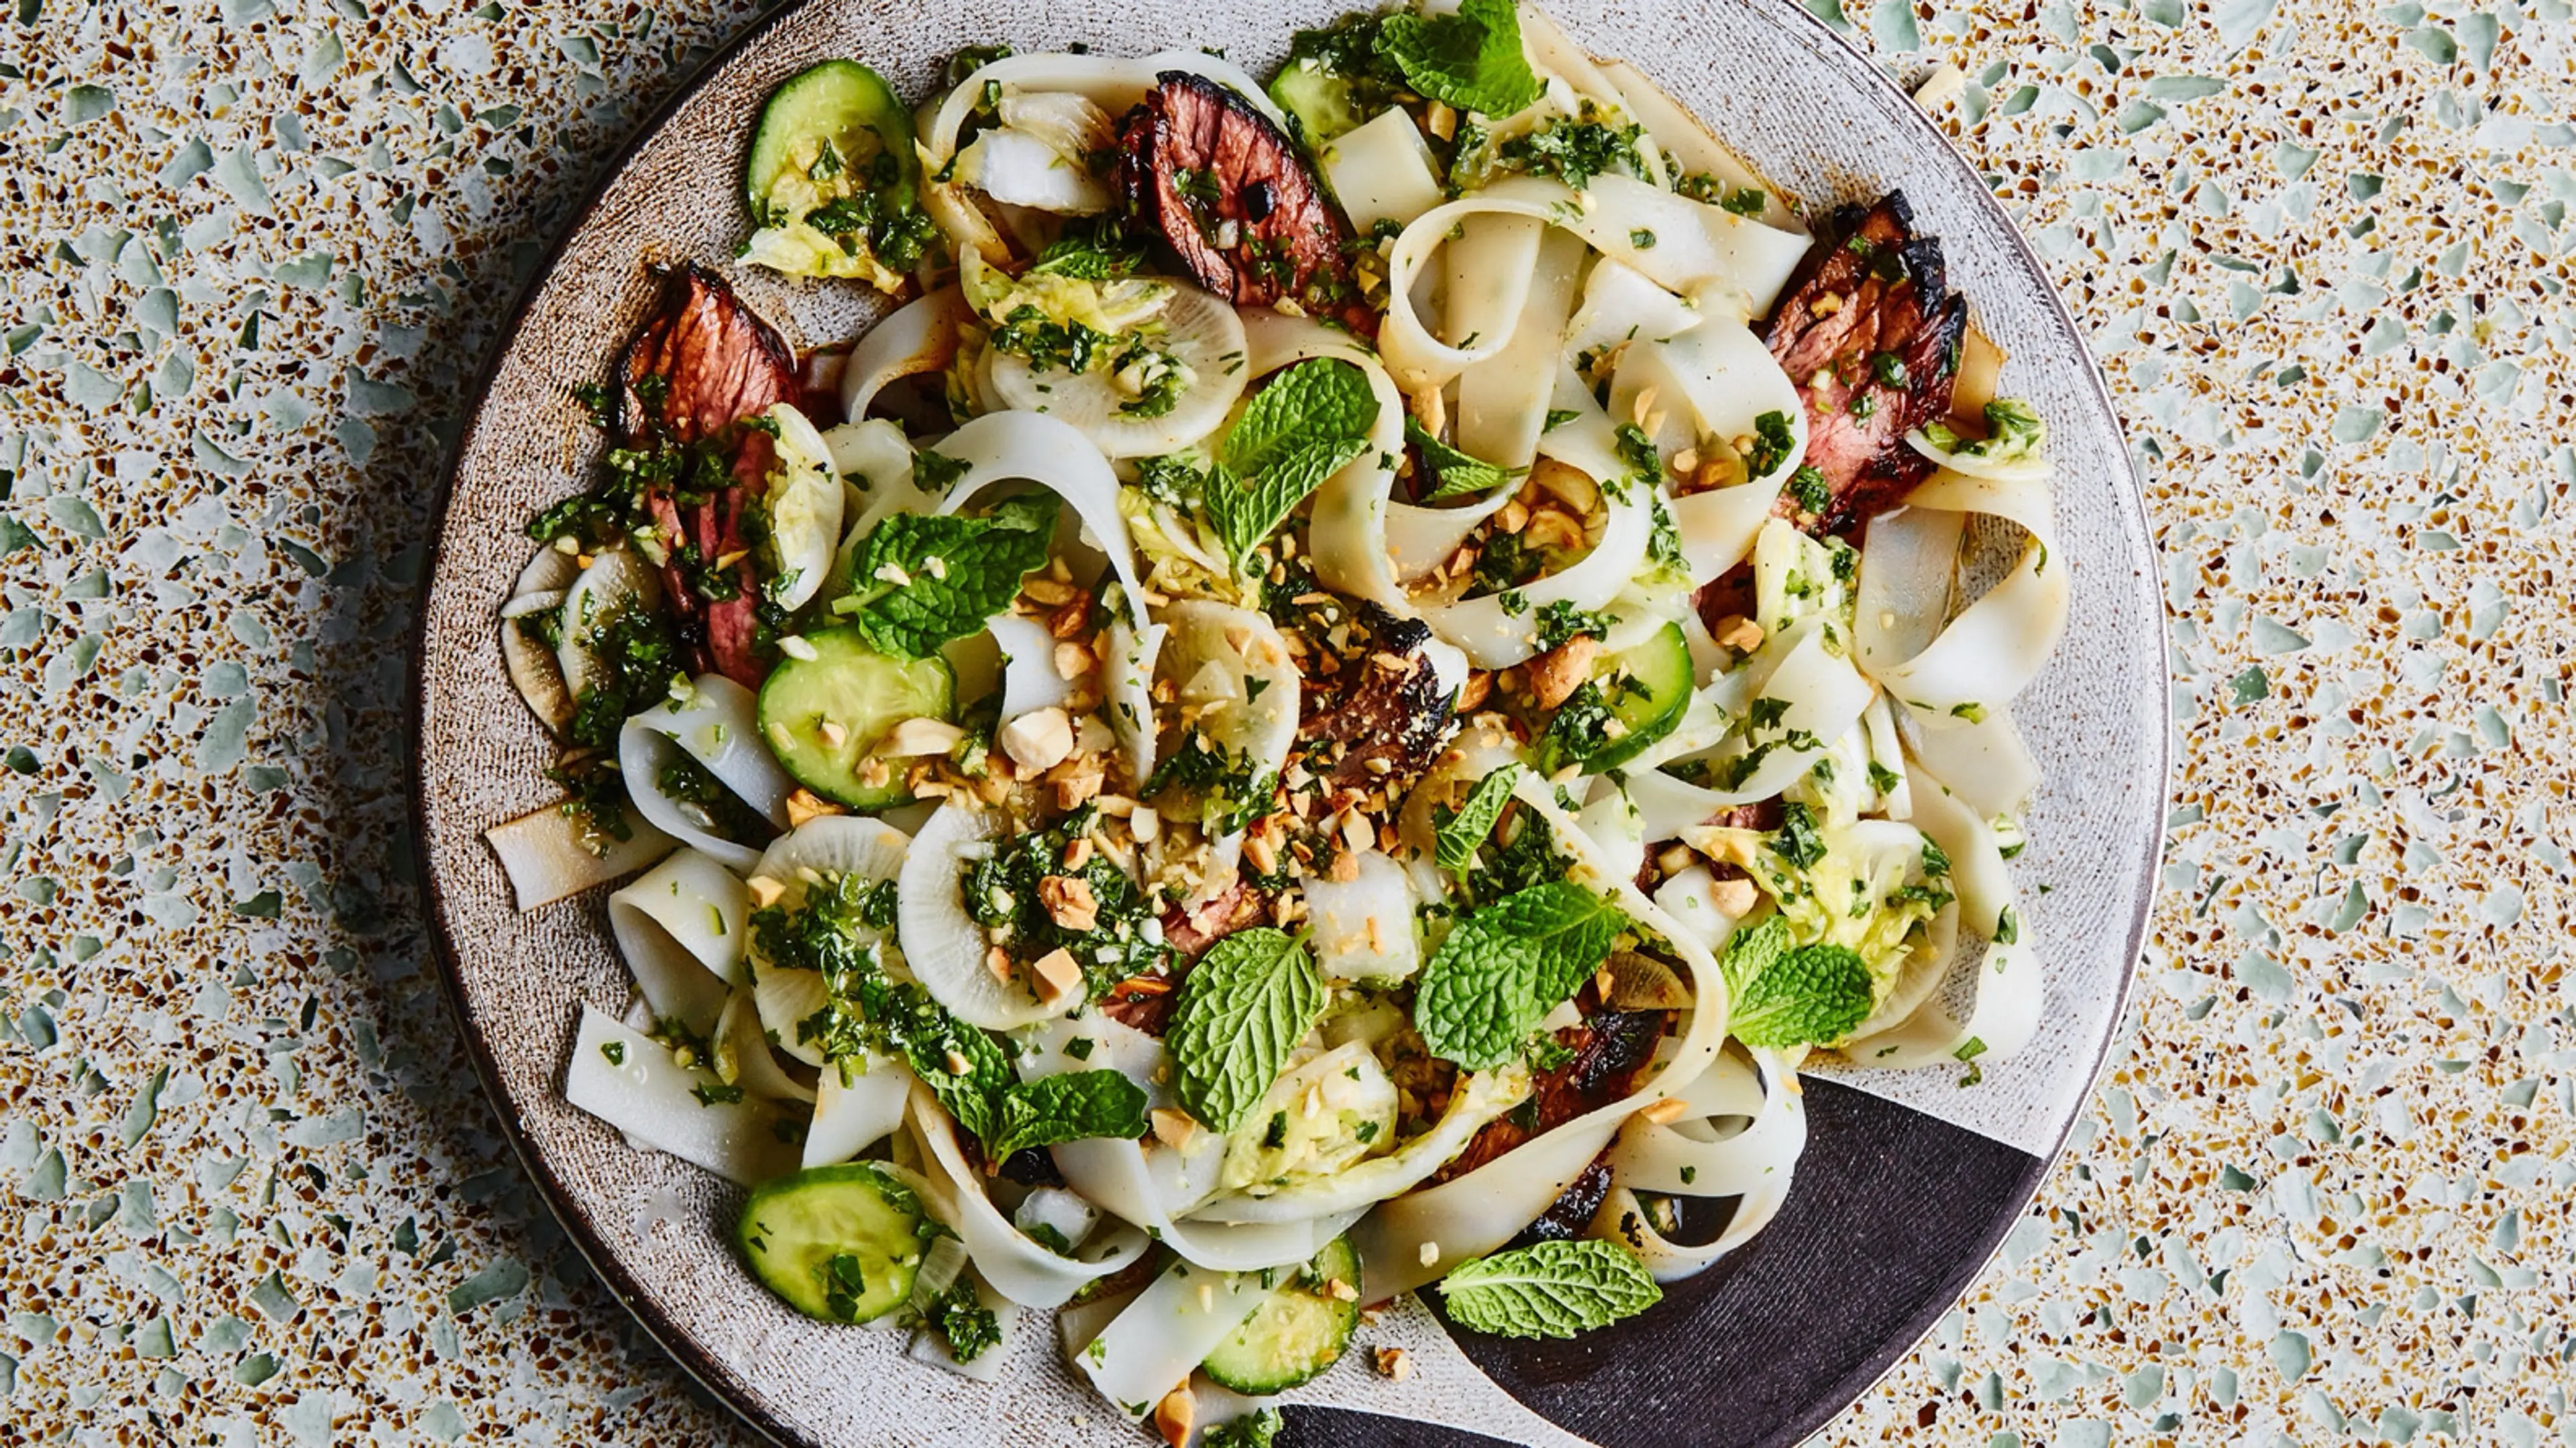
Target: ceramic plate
[[1895, 1209]]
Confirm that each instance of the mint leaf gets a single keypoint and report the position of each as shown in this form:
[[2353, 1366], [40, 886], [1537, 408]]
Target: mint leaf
[[1072, 1106], [1457, 836], [1302, 428], [1456, 473], [1550, 1289], [1749, 952], [1503, 968], [1323, 399], [1245, 512], [1471, 59], [1811, 996], [919, 582], [932, 1041], [1243, 1007]]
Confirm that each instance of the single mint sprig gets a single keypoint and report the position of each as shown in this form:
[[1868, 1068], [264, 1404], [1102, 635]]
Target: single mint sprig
[[1072, 1106], [1243, 1008], [919, 581], [1503, 968], [1471, 59], [1550, 1289]]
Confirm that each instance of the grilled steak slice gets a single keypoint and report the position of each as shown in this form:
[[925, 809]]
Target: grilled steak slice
[[718, 363], [1226, 189], [1869, 330], [1373, 710], [1610, 1048], [696, 368]]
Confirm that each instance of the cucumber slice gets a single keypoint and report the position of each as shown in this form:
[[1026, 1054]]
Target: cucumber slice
[[848, 106], [822, 715], [839, 1243], [1645, 688], [1297, 1332]]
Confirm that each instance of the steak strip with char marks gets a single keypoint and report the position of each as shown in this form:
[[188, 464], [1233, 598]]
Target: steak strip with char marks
[[716, 364], [1869, 331], [1199, 166]]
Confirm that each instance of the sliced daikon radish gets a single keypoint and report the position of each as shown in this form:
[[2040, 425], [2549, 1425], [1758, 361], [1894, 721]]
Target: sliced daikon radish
[[942, 942], [547, 854], [1128, 674], [1029, 679], [804, 507], [1381, 171], [552, 570], [1007, 446], [627, 1080], [1621, 305], [918, 337], [815, 853], [718, 722], [1021, 1269], [1195, 331], [680, 929], [615, 581]]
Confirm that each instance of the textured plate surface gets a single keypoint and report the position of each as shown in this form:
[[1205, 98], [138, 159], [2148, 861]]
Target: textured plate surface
[[1895, 1212]]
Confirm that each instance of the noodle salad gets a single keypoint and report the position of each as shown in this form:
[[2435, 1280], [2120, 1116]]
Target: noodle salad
[[1335, 698]]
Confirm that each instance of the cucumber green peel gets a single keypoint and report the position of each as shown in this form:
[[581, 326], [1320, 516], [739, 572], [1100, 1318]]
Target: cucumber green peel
[[838, 1243], [1298, 1332], [833, 181], [823, 715]]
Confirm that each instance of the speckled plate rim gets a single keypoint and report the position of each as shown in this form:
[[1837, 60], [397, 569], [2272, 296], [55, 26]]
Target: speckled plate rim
[[611, 1269]]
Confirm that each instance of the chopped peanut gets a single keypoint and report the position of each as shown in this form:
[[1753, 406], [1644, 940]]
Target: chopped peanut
[[1070, 903], [915, 737], [1394, 1364], [1058, 975], [1176, 1415], [1072, 660], [1735, 897], [1175, 1129], [803, 805], [765, 891], [1038, 740], [1556, 674], [1738, 632]]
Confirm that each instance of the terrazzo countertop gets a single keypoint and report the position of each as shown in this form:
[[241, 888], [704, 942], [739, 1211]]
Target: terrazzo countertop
[[255, 250]]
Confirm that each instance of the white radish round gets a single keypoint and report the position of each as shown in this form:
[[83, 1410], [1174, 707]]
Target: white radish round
[[1196, 331]]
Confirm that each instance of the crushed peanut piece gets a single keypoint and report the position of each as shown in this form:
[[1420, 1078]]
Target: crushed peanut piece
[[765, 891], [1176, 1415], [1393, 1363], [1069, 903], [1556, 674], [1058, 974], [804, 804]]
